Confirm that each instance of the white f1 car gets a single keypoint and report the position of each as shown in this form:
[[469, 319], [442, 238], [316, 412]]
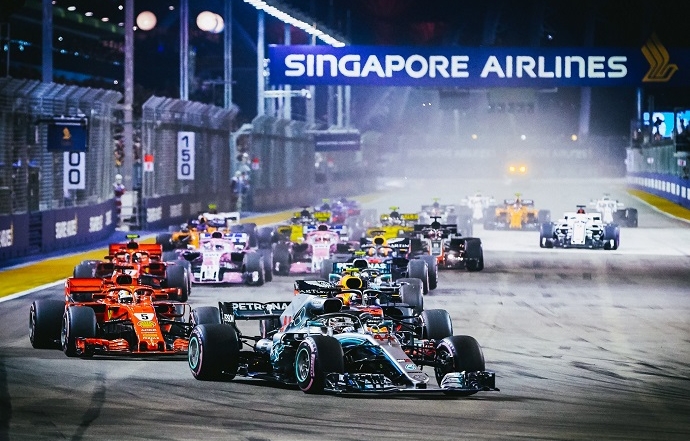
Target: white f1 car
[[478, 203], [580, 230], [614, 211]]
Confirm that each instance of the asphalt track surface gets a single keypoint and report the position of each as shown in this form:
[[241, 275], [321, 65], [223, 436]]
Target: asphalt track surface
[[586, 344]]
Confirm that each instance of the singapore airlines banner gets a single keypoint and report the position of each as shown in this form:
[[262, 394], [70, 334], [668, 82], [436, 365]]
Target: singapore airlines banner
[[479, 67]]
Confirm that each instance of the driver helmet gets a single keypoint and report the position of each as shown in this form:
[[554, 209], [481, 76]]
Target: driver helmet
[[580, 210], [124, 296]]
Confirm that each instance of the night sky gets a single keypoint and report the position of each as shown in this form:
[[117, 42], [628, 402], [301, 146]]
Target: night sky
[[552, 23]]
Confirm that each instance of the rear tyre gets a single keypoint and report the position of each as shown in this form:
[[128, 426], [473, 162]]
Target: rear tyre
[[436, 324], [432, 270], [264, 236], [474, 254], [77, 321], [458, 353], [177, 276], [316, 357], [412, 295], [281, 260], [87, 268], [254, 263], [326, 268], [546, 235], [214, 352], [45, 321], [418, 269]]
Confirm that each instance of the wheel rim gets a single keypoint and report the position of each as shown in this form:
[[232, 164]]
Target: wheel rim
[[194, 353], [444, 363], [303, 364], [64, 333], [32, 324]]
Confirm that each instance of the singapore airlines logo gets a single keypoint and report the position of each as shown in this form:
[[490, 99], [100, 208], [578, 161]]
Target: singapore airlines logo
[[660, 70]]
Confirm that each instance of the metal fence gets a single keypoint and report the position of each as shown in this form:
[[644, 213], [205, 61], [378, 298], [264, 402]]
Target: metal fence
[[31, 177], [162, 119]]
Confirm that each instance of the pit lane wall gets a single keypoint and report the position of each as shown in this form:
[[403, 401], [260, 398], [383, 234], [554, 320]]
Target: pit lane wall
[[41, 232]]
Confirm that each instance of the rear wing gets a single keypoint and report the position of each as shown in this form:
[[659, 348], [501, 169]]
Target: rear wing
[[75, 287], [153, 249], [232, 311]]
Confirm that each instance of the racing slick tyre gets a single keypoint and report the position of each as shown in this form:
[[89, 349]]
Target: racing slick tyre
[[77, 321], [267, 326], [267, 255], [546, 235], [45, 322], [281, 260], [543, 216], [165, 241], [316, 357], [177, 276], [326, 268], [612, 236], [85, 268], [205, 315], [436, 324], [265, 237], [411, 293], [214, 352], [474, 254], [254, 263], [458, 353], [418, 269], [432, 265]]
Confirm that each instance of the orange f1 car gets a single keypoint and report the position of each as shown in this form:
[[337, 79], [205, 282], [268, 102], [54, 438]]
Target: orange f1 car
[[124, 317], [143, 262]]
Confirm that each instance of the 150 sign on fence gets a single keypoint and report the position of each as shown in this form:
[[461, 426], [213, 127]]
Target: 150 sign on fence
[[185, 156], [74, 171]]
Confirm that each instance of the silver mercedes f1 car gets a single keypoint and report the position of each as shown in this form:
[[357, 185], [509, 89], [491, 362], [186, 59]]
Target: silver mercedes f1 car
[[321, 346]]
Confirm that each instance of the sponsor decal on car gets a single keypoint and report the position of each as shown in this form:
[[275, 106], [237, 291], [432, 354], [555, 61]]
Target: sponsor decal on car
[[147, 324]]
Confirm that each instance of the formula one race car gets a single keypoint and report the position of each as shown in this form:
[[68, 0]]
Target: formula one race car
[[124, 317], [394, 224], [359, 275], [460, 216], [450, 250], [307, 255], [143, 262], [478, 203], [189, 233], [324, 347], [614, 211], [227, 258], [395, 252], [515, 214], [580, 230]]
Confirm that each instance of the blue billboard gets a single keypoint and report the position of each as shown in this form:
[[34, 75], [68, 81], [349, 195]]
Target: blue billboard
[[478, 67], [67, 135]]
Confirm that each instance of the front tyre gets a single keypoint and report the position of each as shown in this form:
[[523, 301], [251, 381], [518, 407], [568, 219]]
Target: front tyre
[[458, 353], [214, 352], [317, 356], [77, 322]]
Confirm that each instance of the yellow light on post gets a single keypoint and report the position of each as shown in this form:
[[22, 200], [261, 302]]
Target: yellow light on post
[[573, 137], [474, 136], [146, 20]]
